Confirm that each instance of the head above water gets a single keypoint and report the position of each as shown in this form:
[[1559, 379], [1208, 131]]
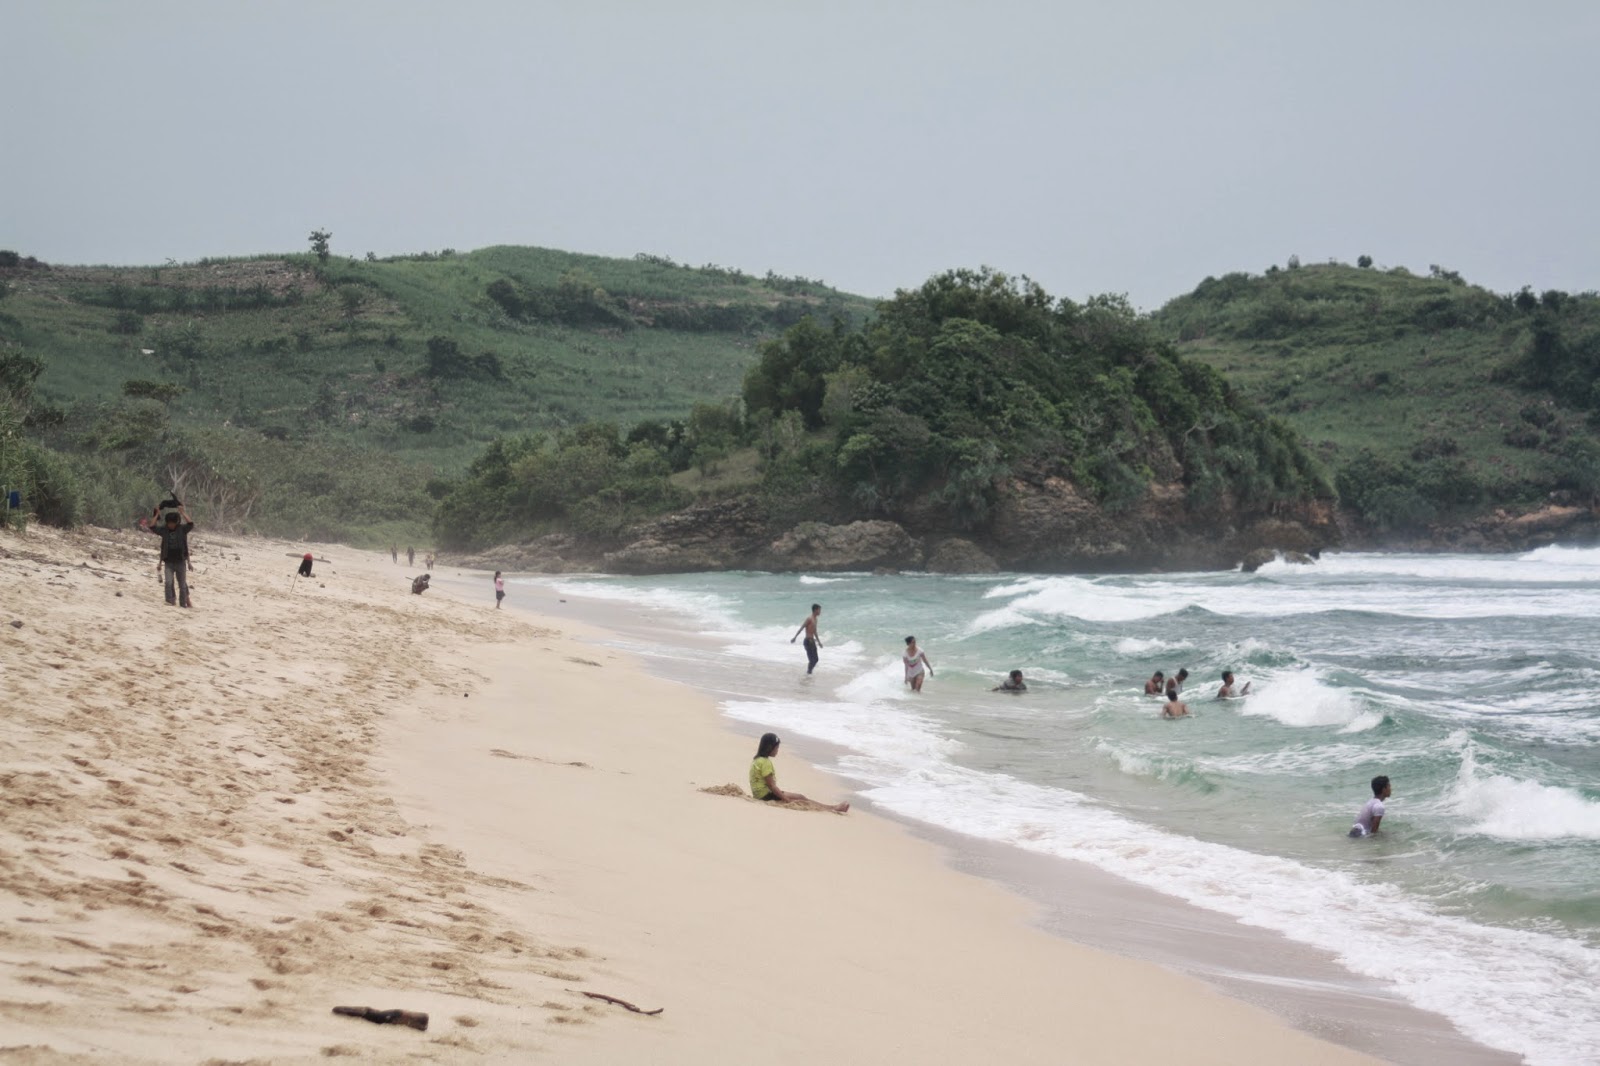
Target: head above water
[[1183, 675], [1157, 676], [1172, 695], [768, 746], [1227, 677], [1016, 675], [816, 608], [910, 641], [1380, 785]]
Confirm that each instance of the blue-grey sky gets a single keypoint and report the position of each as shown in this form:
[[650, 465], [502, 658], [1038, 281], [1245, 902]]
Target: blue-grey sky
[[1132, 147]]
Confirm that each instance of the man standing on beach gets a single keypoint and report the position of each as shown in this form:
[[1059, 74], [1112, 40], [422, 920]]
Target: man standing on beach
[[499, 589], [813, 642], [174, 552]]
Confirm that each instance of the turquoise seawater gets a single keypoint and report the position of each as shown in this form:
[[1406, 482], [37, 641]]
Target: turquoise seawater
[[1472, 681]]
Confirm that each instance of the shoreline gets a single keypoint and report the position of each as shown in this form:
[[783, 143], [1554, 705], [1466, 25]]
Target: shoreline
[[1305, 986], [304, 794]]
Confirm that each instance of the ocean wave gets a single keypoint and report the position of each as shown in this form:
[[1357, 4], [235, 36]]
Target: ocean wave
[[1513, 808], [1506, 988], [1302, 699]]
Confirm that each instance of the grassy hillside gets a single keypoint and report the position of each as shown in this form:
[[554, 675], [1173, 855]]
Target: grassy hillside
[[1426, 395], [318, 384]]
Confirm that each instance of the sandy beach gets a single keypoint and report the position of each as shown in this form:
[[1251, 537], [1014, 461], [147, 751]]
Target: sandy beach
[[221, 823]]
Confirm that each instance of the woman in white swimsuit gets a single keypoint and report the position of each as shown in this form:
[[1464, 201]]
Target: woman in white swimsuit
[[916, 663]]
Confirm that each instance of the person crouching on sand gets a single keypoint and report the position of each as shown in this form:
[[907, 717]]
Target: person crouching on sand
[[917, 665], [764, 779]]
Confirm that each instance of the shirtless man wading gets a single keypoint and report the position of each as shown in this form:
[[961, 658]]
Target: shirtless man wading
[[813, 642]]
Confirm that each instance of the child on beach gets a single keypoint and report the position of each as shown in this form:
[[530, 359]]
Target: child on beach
[[813, 641], [499, 589], [916, 664], [1371, 815], [764, 779]]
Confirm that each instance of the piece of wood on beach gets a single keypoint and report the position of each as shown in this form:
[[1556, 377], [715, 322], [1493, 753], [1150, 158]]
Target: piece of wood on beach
[[415, 1019], [619, 1002]]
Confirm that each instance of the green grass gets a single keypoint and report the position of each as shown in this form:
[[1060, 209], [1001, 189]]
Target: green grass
[[1395, 364], [331, 356]]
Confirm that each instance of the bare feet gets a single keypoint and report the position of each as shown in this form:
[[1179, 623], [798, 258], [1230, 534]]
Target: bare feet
[[842, 808]]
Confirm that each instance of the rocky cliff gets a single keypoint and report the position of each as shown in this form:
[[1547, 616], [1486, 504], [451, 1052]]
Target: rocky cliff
[[1041, 524]]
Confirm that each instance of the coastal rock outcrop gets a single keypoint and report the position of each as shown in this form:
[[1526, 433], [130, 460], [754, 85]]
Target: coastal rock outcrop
[[865, 545], [716, 535], [957, 555]]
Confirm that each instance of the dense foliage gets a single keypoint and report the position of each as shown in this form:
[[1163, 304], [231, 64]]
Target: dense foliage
[[918, 414], [1432, 399]]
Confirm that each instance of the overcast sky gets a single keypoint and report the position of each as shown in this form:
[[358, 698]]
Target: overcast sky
[[1129, 147]]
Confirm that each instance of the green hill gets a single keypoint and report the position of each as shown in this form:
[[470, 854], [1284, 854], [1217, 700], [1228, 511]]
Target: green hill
[[1431, 399], [338, 388]]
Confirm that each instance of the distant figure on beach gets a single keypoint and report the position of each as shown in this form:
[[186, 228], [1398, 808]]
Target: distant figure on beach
[[1156, 683], [1175, 707], [1012, 683], [305, 564], [174, 552], [1180, 677], [813, 641], [394, 552], [764, 779], [1371, 815], [1227, 692], [411, 556], [499, 589], [428, 563], [917, 665]]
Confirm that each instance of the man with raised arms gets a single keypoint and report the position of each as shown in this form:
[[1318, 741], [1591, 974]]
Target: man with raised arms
[[813, 642]]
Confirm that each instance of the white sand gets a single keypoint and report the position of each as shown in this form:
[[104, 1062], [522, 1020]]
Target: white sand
[[217, 824]]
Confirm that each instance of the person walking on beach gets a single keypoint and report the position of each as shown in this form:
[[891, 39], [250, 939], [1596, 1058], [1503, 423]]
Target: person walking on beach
[[1371, 815], [813, 641], [1156, 683], [1175, 707], [174, 552], [428, 562], [499, 589], [916, 664], [394, 553], [1226, 692], [411, 556], [764, 779], [1013, 683]]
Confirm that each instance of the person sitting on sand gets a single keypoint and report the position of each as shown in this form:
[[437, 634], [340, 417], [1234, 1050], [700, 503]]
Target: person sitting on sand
[[1175, 707], [1371, 815], [1156, 683], [916, 664], [1014, 683], [1226, 692], [764, 779]]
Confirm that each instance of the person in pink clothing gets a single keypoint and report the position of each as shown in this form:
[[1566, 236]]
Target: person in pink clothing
[[499, 589]]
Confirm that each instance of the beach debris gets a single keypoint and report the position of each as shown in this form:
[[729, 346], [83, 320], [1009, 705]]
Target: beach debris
[[415, 1019], [619, 1002], [725, 790], [585, 662], [16, 623]]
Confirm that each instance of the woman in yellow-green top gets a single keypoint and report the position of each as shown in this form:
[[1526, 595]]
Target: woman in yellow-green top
[[764, 779]]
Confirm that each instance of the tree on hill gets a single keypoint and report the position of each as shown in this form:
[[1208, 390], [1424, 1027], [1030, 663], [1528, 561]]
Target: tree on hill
[[319, 244]]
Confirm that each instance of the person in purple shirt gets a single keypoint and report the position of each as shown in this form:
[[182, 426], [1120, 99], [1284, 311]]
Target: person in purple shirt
[[1371, 815]]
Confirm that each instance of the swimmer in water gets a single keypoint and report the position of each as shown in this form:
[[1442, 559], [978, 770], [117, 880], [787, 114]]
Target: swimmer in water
[[1371, 815], [1226, 692], [1156, 683], [916, 664], [1014, 683], [1175, 707]]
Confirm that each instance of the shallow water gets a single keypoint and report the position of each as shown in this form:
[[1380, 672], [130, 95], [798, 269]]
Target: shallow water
[[1469, 680]]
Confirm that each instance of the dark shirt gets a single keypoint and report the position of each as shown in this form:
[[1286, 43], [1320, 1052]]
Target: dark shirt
[[174, 542]]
